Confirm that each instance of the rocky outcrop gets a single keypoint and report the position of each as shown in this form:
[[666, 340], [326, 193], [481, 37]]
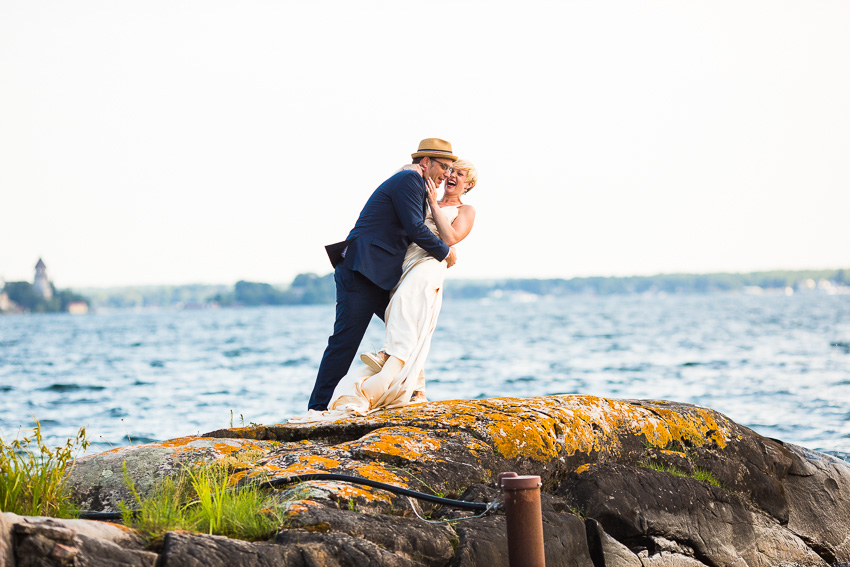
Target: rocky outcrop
[[45, 542], [99, 481], [625, 483]]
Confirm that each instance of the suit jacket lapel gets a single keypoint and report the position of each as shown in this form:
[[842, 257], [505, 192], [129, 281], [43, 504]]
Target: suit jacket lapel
[[425, 201]]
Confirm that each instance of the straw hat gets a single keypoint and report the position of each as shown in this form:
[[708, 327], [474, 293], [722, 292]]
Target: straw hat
[[434, 147]]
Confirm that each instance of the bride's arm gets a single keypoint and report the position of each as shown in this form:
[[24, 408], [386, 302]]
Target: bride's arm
[[454, 232], [412, 167]]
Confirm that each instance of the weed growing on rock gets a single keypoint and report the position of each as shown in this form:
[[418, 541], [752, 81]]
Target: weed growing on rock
[[210, 485], [699, 474], [159, 513], [200, 498], [576, 511], [241, 460], [705, 476], [33, 475]]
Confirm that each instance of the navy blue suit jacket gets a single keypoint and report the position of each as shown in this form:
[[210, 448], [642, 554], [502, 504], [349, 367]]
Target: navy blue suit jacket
[[393, 217]]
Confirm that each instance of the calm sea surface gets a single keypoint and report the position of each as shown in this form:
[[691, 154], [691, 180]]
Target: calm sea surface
[[780, 365]]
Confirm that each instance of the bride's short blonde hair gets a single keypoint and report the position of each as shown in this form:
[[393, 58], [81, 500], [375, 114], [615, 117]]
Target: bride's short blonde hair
[[472, 173]]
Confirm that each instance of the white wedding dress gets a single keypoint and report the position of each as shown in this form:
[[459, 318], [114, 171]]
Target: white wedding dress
[[411, 318]]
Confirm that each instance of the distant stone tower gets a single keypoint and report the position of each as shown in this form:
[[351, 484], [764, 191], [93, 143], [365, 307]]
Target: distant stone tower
[[41, 284]]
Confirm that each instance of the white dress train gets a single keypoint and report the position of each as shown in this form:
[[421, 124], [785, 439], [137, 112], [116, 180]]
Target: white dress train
[[411, 318]]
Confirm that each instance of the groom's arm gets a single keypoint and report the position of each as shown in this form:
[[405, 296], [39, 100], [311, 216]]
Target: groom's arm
[[408, 199]]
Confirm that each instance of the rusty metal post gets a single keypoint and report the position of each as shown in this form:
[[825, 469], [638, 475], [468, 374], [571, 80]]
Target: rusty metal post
[[524, 519]]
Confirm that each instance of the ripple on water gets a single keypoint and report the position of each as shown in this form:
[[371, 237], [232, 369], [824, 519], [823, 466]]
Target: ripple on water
[[113, 413], [237, 352], [632, 368], [63, 388], [77, 401]]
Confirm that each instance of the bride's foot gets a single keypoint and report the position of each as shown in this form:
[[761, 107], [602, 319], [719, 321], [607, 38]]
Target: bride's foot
[[418, 397], [374, 360], [375, 386]]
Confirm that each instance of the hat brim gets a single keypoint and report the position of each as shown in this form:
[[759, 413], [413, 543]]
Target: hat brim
[[436, 154]]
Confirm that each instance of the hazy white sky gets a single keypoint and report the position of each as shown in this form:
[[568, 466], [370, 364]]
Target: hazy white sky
[[207, 141]]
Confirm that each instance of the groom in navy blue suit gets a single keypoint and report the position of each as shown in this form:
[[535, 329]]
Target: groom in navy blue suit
[[368, 264]]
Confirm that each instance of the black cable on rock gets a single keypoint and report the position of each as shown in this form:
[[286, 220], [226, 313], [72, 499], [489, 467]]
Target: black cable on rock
[[87, 515], [275, 482], [462, 504]]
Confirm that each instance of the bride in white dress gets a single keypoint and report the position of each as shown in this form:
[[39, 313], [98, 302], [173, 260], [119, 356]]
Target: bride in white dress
[[394, 377]]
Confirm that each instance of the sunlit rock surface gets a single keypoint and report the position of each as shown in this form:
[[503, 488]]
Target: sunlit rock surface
[[625, 482]]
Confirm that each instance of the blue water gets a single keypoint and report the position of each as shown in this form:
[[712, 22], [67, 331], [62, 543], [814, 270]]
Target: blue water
[[778, 364]]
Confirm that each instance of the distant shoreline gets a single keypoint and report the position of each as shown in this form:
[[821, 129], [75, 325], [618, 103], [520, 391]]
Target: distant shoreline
[[312, 289]]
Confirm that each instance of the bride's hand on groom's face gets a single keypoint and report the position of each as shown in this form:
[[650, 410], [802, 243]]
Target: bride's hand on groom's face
[[431, 188]]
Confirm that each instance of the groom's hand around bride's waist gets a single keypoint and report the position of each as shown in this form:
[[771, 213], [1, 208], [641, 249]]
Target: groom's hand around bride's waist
[[452, 257]]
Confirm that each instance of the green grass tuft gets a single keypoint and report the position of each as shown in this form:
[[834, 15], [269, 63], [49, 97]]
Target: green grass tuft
[[699, 474], [33, 476], [201, 499], [705, 476], [576, 511]]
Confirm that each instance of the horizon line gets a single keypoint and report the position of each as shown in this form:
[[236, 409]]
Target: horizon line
[[482, 279]]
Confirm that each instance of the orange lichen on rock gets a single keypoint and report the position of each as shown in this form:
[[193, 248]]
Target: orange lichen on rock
[[298, 506], [238, 477], [405, 443], [514, 436], [318, 462], [697, 427], [309, 463], [541, 429], [535, 428], [375, 472], [220, 446], [598, 423], [544, 428], [346, 491]]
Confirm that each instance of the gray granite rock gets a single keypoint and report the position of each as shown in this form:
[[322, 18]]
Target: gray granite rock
[[626, 483], [51, 542]]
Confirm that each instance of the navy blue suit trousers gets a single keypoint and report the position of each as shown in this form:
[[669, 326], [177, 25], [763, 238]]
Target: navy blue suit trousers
[[357, 299]]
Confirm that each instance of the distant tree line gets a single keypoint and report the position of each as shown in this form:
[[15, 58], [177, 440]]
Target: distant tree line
[[24, 295], [306, 289], [311, 289], [667, 283], [133, 297]]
